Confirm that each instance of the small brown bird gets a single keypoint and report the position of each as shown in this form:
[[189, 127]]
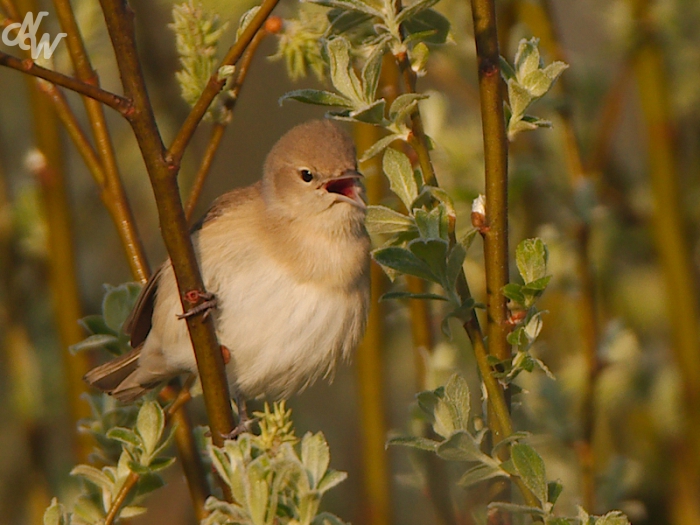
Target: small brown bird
[[287, 259]]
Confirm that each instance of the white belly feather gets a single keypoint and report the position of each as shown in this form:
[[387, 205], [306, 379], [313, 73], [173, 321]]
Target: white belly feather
[[282, 334]]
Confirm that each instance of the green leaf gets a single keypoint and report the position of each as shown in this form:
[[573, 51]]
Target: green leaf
[[95, 324], [554, 489], [55, 514], [527, 57], [403, 261], [461, 446], [343, 21], [117, 304], [414, 442], [538, 285], [530, 468], [613, 518], [400, 174], [432, 24], [124, 435], [531, 259], [455, 260], [513, 292], [379, 146], [371, 71], [427, 401], [428, 222], [409, 295], [315, 456], [519, 98], [330, 480], [161, 463], [352, 5], [414, 9], [150, 423], [507, 71], [342, 75], [478, 473], [383, 220], [370, 113], [92, 342], [318, 97], [434, 253], [514, 508], [94, 476], [457, 395], [404, 105]]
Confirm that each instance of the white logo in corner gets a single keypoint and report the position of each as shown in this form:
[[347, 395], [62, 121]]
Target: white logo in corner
[[27, 32]]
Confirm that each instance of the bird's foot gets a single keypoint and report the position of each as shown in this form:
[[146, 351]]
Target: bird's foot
[[243, 426], [205, 308]]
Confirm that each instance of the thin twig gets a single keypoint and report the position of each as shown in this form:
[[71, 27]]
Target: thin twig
[[220, 127], [214, 86], [114, 194], [116, 102], [130, 482]]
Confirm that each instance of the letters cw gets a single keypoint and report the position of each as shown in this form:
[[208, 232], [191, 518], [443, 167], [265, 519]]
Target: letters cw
[[27, 31]]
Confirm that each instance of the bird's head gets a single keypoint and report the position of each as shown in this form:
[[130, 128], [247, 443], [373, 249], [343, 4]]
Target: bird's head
[[312, 173]]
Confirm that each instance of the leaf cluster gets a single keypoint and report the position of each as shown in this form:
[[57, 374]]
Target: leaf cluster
[[527, 81], [448, 410], [531, 260], [274, 477], [106, 329], [141, 457]]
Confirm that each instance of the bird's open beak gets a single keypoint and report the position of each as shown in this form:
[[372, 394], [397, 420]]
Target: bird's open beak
[[347, 188]]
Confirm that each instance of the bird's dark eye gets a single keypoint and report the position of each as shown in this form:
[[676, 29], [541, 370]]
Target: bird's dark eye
[[306, 175]]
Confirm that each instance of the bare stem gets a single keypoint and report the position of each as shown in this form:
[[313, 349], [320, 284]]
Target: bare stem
[[496, 161], [130, 482], [370, 364]]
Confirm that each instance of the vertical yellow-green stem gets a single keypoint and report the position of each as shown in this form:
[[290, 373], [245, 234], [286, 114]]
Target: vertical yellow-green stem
[[370, 365], [496, 177], [669, 232], [62, 269]]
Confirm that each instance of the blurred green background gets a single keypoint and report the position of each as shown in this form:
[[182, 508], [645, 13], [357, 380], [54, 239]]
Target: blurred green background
[[631, 89]]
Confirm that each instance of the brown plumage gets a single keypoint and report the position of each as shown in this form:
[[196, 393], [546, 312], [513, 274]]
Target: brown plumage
[[287, 259]]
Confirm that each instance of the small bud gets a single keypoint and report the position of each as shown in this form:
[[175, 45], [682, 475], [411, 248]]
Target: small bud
[[225, 72], [274, 25], [35, 161], [479, 214]]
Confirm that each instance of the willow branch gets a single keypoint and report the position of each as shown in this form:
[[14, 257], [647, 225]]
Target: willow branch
[[370, 364], [219, 128], [119, 19], [215, 85], [130, 482], [114, 195], [669, 229], [496, 163], [120, 104]]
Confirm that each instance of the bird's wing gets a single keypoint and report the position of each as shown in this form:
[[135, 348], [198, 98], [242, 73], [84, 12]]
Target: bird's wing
[[138, 324]]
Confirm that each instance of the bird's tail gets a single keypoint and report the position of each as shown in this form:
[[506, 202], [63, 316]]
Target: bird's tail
[[117, 377]]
